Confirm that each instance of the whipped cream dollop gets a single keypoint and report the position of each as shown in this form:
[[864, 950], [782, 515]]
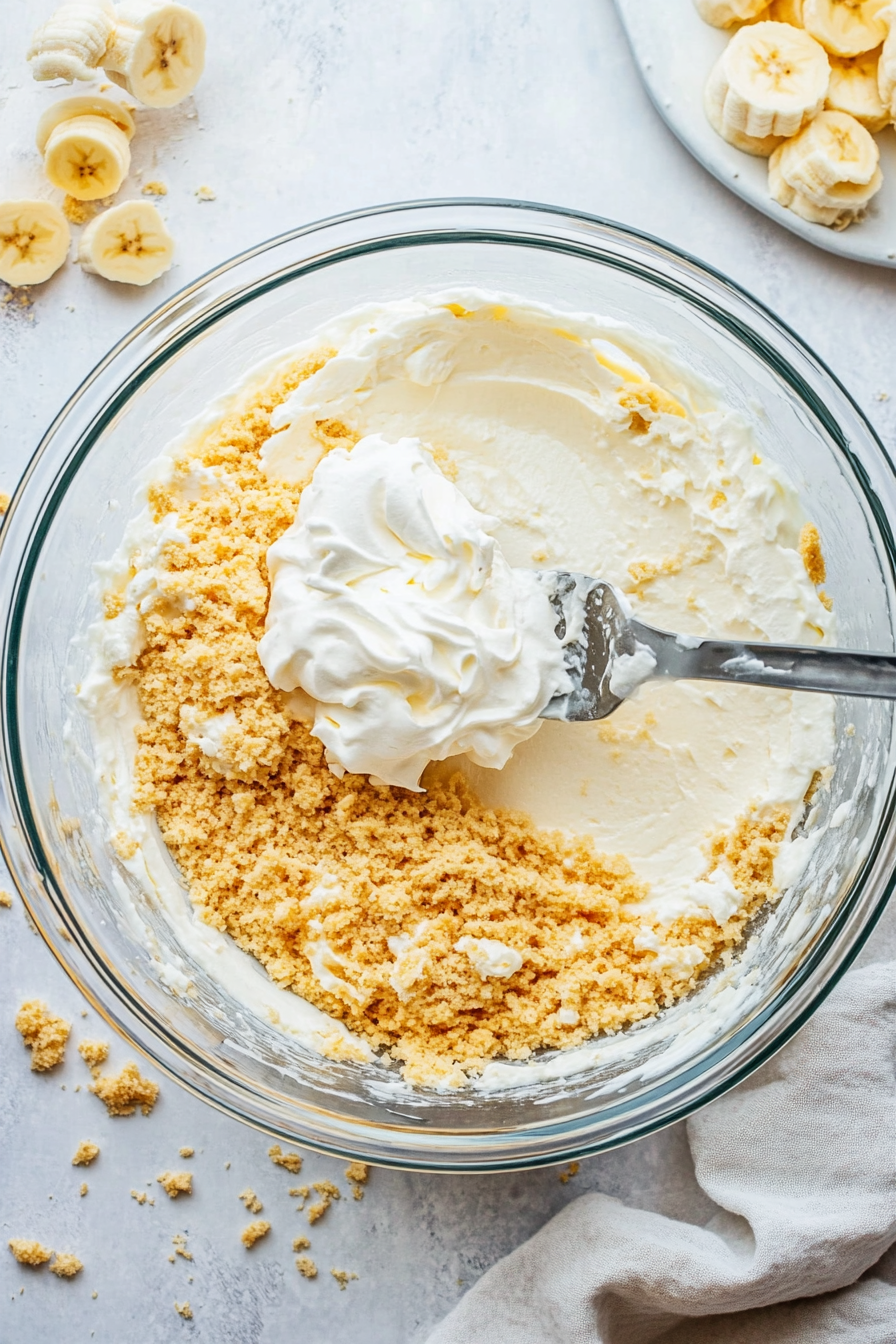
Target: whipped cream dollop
[[394, 609]]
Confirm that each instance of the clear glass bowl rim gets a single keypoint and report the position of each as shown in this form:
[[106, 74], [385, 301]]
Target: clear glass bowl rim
[[143, 351]]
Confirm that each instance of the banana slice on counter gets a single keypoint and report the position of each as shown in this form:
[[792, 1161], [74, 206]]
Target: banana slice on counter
[[128, 243], [829, 172], [854, 89], [156, 52], [846, 27], [70, 45], [771, 79], [886, 70], [725, 13], [34, 241], [85, 145]]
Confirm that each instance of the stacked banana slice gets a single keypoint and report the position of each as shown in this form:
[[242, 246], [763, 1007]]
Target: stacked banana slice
[[807, 84], [156, 52]]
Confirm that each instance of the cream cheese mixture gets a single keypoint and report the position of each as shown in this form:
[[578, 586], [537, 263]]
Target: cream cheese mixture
[[552, 441]]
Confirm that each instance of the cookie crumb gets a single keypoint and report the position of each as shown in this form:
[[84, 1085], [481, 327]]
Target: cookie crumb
[[571, 1170], [93, 1053], [301, 1244], [328, 1192], [29, 1252], [306, 1266], [810, 553], [86, 1153], [184, 1309], [179, 1242], [5, 897], [250, 1199], [142, 1197], [205, 194], [44, 1034], [122, 1093], [186, 1152], [77, 212], [300, 1192], [66, 1266], [176, 1183], [155, 188], [94, 1295], [254, 1232], [291, 1161], [342, 1277], [4, 505], [226, 1166], [357, 1174], [83, 1190]]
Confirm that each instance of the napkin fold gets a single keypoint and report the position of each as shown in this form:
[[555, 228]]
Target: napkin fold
[[801, 1162]]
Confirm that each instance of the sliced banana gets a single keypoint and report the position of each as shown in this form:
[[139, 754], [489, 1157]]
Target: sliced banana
[[760, 146], [85, 145], [786, 11], [128, 243], [829, 172], [771, 79], [846, 27], [157, 51], [34, 241], [853, 89], [886, 69], [725, 13], [70, 45]]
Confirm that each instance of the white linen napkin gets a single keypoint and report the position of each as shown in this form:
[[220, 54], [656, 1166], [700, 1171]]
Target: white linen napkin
[[800, 1159]]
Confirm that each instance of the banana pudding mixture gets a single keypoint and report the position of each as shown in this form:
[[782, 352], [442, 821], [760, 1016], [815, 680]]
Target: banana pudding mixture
[[324, 652]]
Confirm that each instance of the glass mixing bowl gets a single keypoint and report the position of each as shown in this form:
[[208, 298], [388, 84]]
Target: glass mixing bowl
[[70, 512]]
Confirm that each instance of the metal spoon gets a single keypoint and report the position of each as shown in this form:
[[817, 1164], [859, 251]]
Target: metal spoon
[[609, 654]]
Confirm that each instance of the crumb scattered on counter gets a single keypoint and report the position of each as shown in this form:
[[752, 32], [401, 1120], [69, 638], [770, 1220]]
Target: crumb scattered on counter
[[328, 1192], [571, 1170], [251, 1200], [184, 1309], [78, 212], [83, 1191], [176, 1183], [205, 194], [5, 897], [93, 1053], [85, 1154], [179, 1242], [342, 1277], [29, 1252], [94, 1295], [357, 1174], [44, 1034], [186, 1152], [66, 1266], [300, 1192], [122, 1093], [142, 1197], [291, 1161], [254, 1232], [306, 1266], [301, 1244], [155, 188], [226, 1166]]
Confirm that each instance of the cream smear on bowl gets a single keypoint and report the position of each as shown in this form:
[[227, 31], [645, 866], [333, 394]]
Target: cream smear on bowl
[[587, 449]]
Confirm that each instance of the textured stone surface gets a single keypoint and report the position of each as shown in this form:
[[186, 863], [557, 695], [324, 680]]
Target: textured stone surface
[[309, 107]]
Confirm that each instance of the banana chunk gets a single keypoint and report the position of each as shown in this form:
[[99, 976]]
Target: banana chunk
[[829, 172], [34, 241], [846, 27], [725, 13], [156, 52], [70, 45], [854, 89], [128, 243], [886, 70], [85, 146], [786, 11], [771, 79], [760, 146]]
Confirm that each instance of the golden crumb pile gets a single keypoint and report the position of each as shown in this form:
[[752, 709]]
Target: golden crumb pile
[[141, 1197], [327, 1192], [179, 1242], [123, 1092], [342, 1277], [355, 896], [254, 1232], [176, 1183], [83, 1190], [94, 1053], [811, 553], [4, 502], [250, 1199], [186, 1152], [44, 1033], [66, 1266], [306, 1266], [85, 1154], [301, 1244], [184, 1309], [357, 1174], [5, 897], [29, 1252], [291, 1161]]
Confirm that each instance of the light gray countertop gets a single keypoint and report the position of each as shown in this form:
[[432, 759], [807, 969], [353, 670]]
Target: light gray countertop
[[307, 108]]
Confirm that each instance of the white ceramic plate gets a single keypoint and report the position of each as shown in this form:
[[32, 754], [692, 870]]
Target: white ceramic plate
[[675, 51]]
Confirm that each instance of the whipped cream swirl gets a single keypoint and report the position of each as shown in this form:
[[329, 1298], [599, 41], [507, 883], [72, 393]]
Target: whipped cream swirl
[[396, 612]]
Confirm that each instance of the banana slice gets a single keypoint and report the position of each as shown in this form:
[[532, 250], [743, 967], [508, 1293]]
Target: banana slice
[[128, 243], [771, 79], [34, 241], [829, 172], [760, 146], [853, 89], [886, 70], [157, 51], [85, 146], [71, 43], [846, 27], [786, 11], [725, 13]]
